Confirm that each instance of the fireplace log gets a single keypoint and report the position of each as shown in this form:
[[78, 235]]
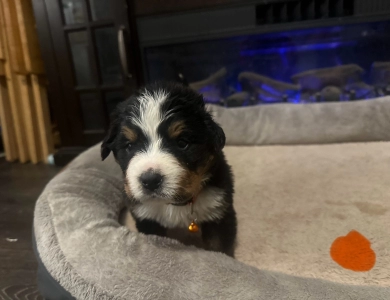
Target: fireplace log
[[265, 96], [211, 87], [380, 74], [237, 99], [272, 86], [266, 89], [315, 80], [213, 79]]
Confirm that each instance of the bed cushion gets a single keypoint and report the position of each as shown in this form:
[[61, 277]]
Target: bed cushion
[[292, 204], [297, 124]]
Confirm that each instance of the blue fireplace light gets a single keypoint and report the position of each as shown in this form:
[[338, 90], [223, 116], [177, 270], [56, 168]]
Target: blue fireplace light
[[297, 48]]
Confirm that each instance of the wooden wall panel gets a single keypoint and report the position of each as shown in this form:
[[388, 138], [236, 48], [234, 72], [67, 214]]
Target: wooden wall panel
[[6, 122], [5, 108], [28, 36], [2, 67], [2, 54], [24, 112], [14, 100], [42, 113], [24, 86], [13, 37], [17, 116]]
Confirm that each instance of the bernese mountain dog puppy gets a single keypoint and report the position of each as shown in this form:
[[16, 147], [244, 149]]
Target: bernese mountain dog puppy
[[170, 151]]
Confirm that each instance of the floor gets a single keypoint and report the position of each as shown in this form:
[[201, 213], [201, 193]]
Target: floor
[[20, 186]]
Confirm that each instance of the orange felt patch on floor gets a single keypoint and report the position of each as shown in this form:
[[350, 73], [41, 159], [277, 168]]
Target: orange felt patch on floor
[[353, 252]]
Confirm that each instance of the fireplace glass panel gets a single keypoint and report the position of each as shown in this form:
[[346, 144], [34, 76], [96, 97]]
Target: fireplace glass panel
[[339, 63]]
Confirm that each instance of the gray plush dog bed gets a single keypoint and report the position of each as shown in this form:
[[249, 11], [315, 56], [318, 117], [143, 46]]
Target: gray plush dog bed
[[84, 252]]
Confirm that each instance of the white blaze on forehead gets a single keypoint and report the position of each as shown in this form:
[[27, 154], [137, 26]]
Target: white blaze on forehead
[[154, 157], [150, 113]]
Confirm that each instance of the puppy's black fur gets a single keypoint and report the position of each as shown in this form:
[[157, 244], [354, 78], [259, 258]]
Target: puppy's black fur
[[196, 146]]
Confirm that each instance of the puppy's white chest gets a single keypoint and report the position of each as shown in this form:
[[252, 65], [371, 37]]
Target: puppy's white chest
[[207, 207]]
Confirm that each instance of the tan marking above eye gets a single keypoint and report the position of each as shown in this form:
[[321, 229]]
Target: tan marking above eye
[[176, 128], [130, 134]]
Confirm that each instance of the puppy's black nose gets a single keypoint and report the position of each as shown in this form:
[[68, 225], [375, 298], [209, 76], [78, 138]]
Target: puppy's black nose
[[151, 180]]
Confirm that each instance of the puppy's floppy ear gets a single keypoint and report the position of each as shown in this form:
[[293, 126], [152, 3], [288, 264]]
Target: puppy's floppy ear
[[109, 139], [217, 134]]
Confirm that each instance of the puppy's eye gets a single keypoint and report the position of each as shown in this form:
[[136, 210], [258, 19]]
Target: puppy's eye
[[128, 147], [182, 144]]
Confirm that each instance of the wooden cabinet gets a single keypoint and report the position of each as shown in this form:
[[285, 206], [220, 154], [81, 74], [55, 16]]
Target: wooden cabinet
[[91, 56]]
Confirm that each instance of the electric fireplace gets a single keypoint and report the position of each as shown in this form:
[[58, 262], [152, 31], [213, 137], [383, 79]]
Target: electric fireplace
[[293, 62]]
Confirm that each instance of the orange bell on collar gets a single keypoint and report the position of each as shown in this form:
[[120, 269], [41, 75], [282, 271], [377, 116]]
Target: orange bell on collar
[[193, 227]]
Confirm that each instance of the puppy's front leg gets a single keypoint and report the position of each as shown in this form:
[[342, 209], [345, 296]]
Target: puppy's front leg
[[150, 227], [220, 235]]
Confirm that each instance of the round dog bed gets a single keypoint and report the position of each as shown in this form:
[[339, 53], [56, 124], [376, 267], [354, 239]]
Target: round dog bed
[[84, 252]]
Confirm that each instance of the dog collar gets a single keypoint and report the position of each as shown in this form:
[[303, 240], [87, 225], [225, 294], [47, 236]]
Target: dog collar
[[184, 203], [193, 227]]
